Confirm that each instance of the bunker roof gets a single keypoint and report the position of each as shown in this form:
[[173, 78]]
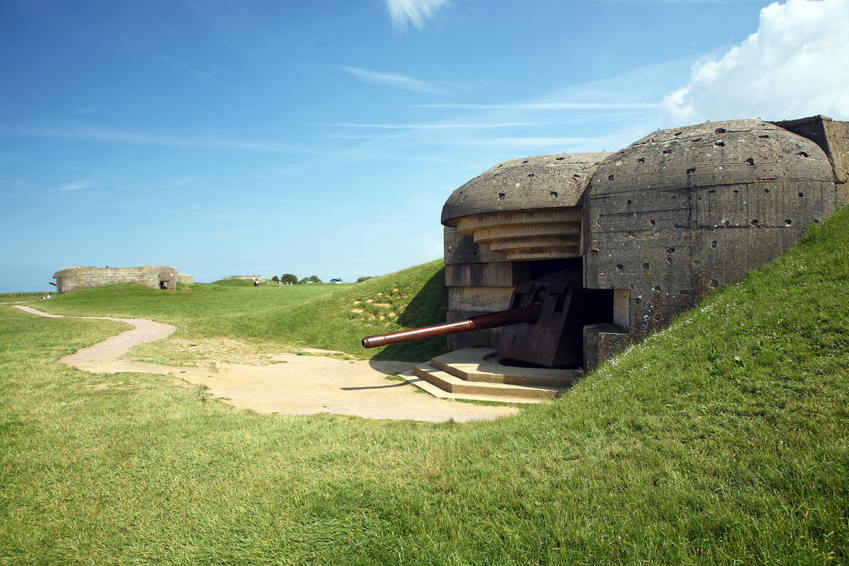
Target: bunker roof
[[727, 153], [716, 154], [530, 183]]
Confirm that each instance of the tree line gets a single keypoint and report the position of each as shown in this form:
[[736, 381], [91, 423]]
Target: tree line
[[292, 279]]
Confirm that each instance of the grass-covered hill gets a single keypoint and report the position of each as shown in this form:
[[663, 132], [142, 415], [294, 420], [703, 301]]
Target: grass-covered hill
[[721, 440]]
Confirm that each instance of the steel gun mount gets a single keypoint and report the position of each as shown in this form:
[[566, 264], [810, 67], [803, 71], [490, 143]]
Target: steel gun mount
[[537, 328]]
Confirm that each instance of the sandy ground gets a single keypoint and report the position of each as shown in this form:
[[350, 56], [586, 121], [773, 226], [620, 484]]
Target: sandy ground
[[293, 384]]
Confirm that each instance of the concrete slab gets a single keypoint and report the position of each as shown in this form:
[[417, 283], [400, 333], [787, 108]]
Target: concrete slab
[[475, 374], [413, 379]]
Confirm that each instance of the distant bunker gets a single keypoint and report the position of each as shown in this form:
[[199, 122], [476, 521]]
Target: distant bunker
[[643, 233], [158, 277]]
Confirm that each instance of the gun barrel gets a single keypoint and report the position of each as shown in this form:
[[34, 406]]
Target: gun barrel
[[528, 314]]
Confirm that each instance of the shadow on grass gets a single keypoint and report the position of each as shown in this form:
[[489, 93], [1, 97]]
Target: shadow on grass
[[428, 307]]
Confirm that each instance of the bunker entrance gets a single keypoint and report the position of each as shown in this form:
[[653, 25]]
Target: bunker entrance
[[556, 338]]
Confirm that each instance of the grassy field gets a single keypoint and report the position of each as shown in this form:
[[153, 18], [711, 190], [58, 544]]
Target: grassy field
[[14, 297], [721, 440], [282, 317]]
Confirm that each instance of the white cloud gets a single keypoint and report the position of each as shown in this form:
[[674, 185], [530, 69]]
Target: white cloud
[[795, 65], [413, 12]]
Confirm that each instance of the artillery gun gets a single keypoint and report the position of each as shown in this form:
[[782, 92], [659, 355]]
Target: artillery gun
[[543, 325]]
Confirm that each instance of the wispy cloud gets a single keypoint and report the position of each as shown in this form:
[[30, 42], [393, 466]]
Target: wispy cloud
[[442, 126], [395, 80], [76, 186], [102, 135], [87, 110], [545, 106], [403, 12], [538, 142]]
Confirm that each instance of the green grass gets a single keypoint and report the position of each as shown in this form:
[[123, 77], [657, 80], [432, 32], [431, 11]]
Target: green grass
[[721, 440], [328, 316], [17, 296]]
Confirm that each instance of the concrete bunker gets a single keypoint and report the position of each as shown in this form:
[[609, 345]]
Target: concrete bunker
[[157, 277], [647, 231], [521, 221]]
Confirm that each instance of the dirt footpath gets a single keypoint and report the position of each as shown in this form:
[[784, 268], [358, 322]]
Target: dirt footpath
[[293, 384]]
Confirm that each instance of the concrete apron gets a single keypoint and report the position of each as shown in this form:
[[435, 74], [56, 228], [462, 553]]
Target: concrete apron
[[480, 374], [295, 385]]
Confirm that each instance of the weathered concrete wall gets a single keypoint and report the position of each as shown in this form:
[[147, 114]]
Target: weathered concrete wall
[[185, 278], [158, 277], [478, 282], [833, 138], [684, 211]]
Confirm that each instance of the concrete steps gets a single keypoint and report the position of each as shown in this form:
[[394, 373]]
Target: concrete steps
[[475, 373]]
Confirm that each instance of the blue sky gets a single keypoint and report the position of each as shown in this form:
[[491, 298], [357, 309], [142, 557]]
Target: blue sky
[[322, 138]]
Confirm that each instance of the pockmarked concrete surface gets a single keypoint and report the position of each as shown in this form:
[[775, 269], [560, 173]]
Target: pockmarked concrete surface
[[293, 384]]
